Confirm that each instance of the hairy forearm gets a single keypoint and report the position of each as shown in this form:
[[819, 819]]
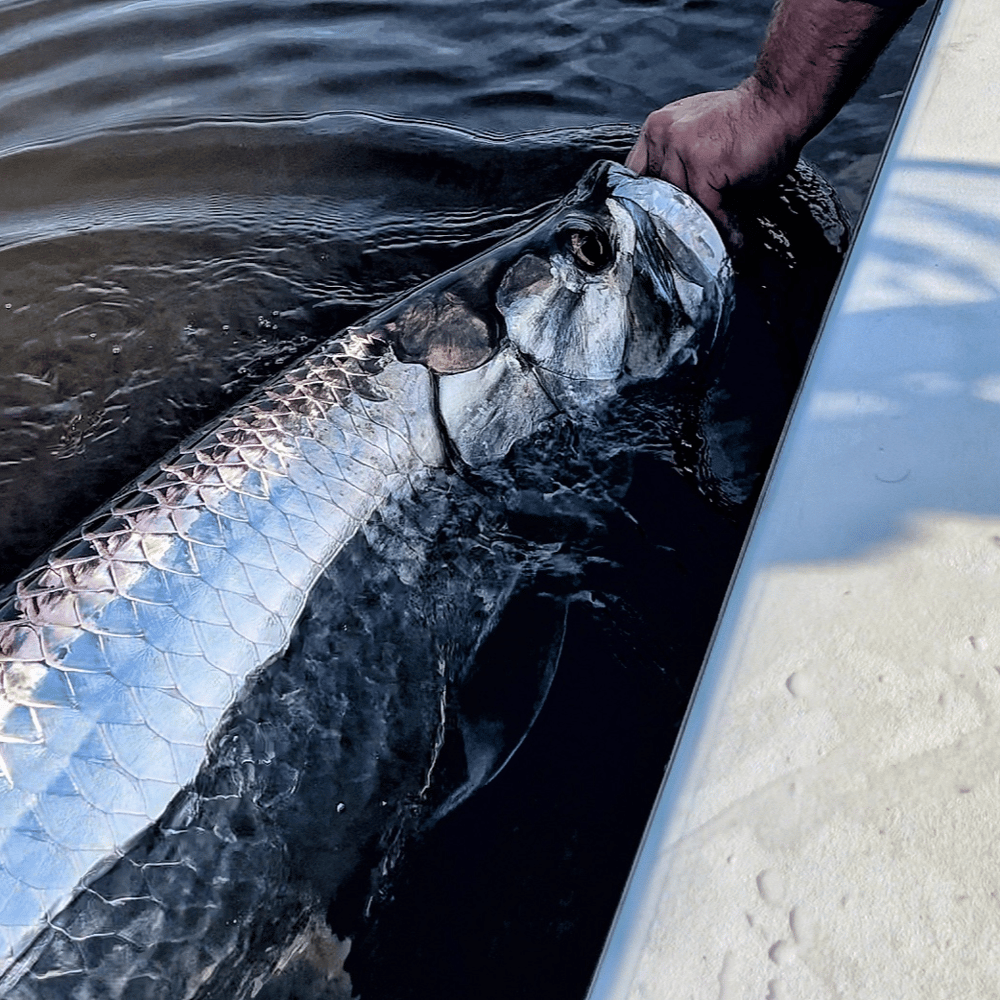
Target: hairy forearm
[[815, 55], [718, 144]]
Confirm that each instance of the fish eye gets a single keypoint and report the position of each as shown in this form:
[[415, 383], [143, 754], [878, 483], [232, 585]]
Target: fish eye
[[589, 247]]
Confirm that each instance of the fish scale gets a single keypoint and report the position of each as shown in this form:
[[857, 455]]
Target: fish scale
[[96, 646]]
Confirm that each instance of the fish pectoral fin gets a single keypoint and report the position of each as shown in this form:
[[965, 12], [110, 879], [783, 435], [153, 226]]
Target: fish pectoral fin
[[484, 742], [498, 699]]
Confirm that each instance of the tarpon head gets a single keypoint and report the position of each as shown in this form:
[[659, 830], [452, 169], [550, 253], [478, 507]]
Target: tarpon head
[[625, 280], [629, 280]]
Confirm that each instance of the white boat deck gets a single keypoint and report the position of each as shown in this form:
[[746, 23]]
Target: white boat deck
[[829, 824]]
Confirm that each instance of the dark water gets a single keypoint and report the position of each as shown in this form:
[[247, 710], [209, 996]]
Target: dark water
[[188, 199], [193, 193]]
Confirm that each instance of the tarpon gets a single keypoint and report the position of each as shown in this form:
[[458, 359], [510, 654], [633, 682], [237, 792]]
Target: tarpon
[[129, 655]]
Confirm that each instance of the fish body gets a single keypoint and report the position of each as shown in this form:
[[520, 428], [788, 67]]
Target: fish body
[[130, 654]]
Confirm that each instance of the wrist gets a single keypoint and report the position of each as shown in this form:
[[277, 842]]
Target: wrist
[[780, 120]]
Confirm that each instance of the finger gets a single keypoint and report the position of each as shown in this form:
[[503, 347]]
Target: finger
[[638, 157], [674, 169], [728, 228], [710, 199]]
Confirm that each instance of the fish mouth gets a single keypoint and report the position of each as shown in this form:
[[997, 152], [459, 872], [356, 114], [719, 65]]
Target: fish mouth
[[608, 290], [696, 255], [645, 284], [686, 228]]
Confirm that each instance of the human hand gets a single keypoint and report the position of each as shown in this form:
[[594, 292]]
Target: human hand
[[716, 144]]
